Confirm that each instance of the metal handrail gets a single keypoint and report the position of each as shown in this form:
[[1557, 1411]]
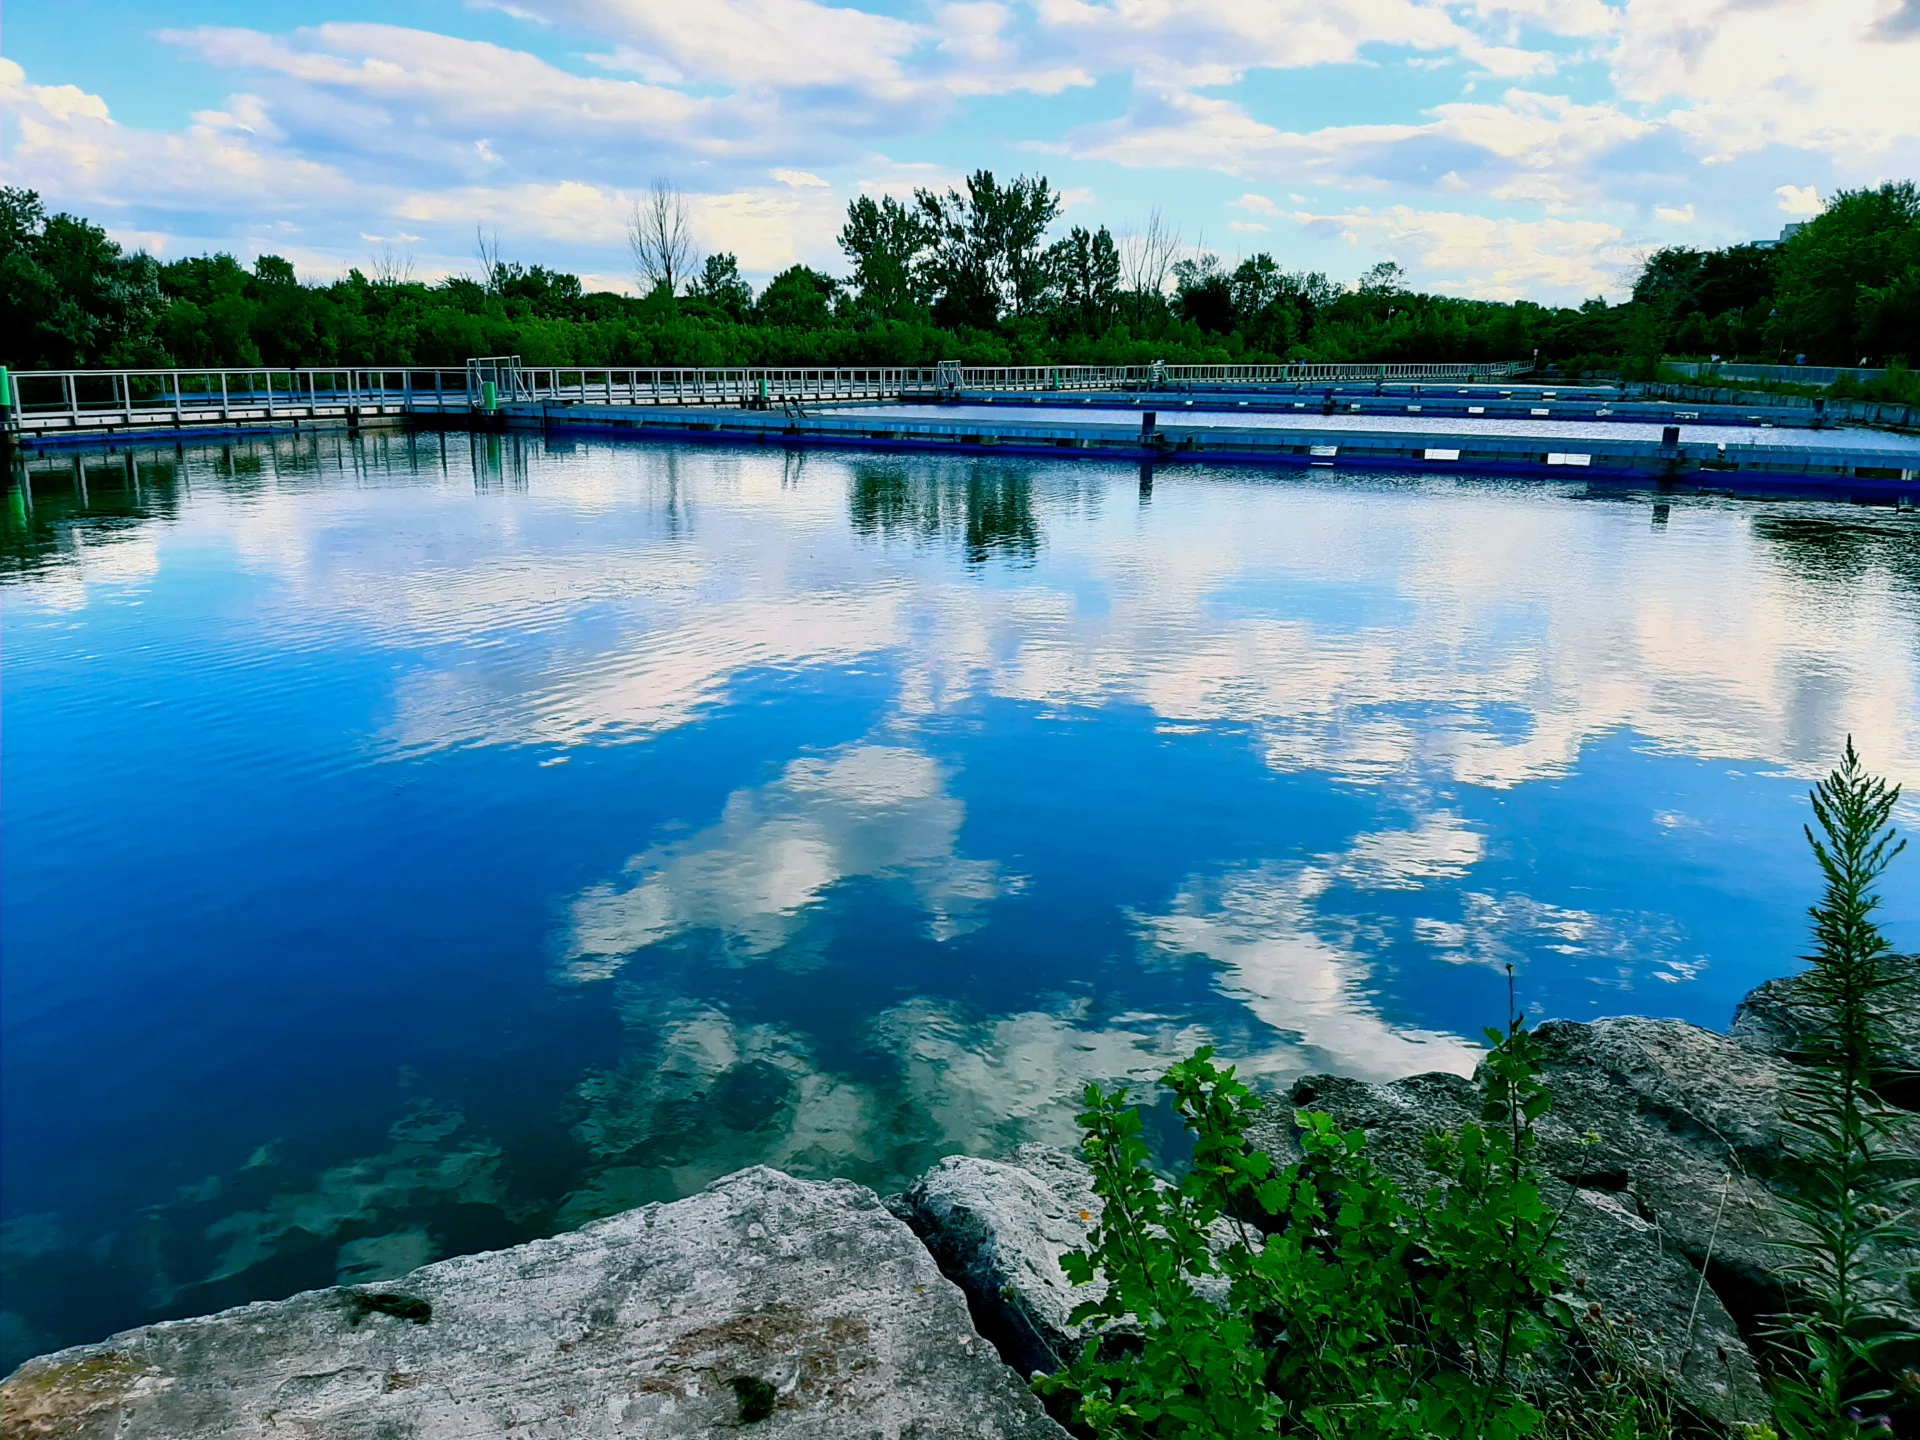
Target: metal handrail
[[74, 399], [81, 399]]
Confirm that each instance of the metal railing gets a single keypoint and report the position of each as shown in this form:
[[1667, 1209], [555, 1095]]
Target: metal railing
[[56, 400], [1293, 374], [51, 401], [613, 386], [760, 386]]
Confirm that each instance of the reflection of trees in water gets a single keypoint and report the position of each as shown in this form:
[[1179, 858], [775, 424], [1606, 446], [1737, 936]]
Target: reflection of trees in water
[[986, 506], [1846, 549], [55, 503]]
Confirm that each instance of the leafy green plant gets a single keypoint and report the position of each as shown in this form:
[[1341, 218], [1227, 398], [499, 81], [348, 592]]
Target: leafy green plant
[[1850, 1206], [1486, 1229], [1248, 1299]]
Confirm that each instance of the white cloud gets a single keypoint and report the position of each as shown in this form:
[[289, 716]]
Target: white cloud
[[1217, 44], [1505, 62], [350, 120], [766, 229], [864, 810], [1559, 17], [1800, 200], [1811, 74], [457, 84], [1545, 143], [1493, 258], [1256, 204], [777, 43], [1261, 928], [68, 146]]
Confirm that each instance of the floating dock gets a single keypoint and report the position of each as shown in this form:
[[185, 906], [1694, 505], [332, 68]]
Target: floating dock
[[1873, 467]]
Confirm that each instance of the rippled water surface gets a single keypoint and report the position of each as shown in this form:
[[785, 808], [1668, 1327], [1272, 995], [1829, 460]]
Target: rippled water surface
[[413, 847]]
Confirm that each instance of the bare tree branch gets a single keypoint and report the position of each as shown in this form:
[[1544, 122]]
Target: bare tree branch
[[390, 265], [1146, 257], [488, 247], [660, 234]]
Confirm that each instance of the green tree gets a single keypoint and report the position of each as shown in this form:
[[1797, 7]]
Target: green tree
[[720, 285], [887, 242], [69, 295], [1848, 281], [797, 299], [1203, 293], [988, 256], [1086, 269]]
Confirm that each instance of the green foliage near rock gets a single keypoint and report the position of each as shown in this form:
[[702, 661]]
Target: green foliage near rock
[[1315, 1299]]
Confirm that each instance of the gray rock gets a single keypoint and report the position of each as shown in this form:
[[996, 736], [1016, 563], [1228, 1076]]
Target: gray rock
[[998, 1231], [1691, 1125], [1634, 1294], [766, 1304], [1638, 1303], [1774, 1018], [1686, 1122]]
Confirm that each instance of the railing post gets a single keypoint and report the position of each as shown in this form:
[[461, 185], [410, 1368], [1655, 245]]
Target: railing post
[[226, 407]]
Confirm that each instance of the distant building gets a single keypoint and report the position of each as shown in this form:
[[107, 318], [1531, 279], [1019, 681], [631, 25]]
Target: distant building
[[1787, 232]]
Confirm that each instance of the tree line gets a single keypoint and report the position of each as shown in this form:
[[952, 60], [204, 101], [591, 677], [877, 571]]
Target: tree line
[[980, 273]]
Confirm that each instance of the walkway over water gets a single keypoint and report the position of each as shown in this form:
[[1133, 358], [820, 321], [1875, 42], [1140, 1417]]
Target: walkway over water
[[1475, 417], [53, 402]]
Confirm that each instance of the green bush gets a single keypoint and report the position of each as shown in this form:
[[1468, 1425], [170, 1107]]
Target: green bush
[[1315, 1299]]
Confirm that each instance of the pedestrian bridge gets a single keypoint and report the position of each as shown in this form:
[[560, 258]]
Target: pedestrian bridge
[[49, 403]]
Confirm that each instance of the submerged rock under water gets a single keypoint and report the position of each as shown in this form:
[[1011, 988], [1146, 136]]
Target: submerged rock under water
[[807, 1308]]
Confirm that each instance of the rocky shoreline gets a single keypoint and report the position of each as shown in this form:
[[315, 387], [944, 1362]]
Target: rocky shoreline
[[802, 1308]]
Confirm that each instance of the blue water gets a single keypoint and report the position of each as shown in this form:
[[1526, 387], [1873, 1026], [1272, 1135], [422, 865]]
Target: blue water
[[416, 845]]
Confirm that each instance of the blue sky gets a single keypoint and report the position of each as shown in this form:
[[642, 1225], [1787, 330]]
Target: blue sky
[[1492, 147]]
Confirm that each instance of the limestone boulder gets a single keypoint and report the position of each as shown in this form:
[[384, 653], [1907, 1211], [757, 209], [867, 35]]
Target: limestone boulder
[[763, 1305], [1692, 1126], [1775, 1018], [998, 1230]]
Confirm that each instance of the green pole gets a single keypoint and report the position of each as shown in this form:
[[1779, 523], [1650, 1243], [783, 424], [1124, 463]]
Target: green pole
[[6, 388], [489, 396]]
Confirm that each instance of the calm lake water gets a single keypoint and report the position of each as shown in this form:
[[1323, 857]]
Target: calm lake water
[[416, 845]]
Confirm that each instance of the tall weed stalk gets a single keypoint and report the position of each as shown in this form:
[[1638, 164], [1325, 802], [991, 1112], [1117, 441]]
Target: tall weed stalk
[[1850, 1208]]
